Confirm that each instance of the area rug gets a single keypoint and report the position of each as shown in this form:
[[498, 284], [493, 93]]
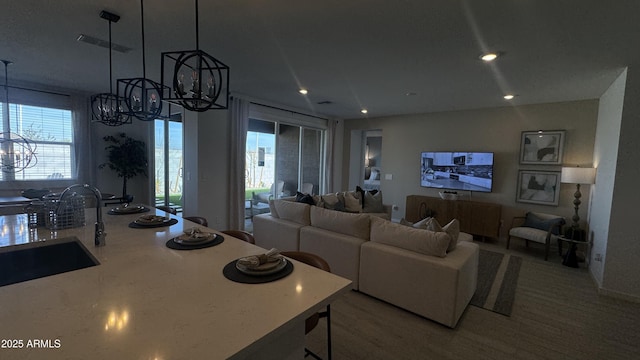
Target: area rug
[[497, 280]]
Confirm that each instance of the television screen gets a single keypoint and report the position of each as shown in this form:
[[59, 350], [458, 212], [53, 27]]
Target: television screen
[[471, 171]]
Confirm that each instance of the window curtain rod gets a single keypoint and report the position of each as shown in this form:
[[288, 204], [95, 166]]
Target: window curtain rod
[[289, 111], [40, 91]]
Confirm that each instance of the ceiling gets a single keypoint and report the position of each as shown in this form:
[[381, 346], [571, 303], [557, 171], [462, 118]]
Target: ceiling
[[354, 54]]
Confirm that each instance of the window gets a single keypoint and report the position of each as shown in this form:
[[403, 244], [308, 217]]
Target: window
[[49, 132]]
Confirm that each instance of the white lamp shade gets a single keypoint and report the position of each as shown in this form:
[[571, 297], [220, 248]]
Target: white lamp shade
[[578, 175]]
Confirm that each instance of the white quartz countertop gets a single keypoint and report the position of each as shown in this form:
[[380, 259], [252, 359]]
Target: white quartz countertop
[[146, 301]]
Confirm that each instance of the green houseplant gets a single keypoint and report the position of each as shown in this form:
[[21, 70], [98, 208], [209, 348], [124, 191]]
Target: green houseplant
[[126, 156]]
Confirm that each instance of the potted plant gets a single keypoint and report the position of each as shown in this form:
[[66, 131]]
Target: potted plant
[[126, 156]]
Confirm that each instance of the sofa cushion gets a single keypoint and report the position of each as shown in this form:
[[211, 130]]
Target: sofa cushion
[[293, 211], [419, 240], [529, 233], [452, 228], [356, 225]]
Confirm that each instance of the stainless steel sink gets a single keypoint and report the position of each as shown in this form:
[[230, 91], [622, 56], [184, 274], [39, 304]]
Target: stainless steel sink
[[36, 260]]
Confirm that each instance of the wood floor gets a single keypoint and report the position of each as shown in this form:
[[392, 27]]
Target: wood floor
[[557, 314]]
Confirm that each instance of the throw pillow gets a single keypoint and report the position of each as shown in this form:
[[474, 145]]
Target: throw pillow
[[362, 191], [352, 202], [304, 198], [422, 224], [452, 228], [332, 202], [373, 202], [534, 221], [317, 199], [418, 240], [272, 209]]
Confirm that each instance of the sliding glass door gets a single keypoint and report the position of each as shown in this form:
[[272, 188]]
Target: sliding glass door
[[260, 160], [168, 161], [281, 159]]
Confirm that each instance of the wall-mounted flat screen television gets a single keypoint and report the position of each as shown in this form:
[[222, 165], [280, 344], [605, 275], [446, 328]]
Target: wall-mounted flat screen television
[[471, 171]]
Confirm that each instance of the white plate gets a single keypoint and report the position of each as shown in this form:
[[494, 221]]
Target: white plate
[[264, 269]]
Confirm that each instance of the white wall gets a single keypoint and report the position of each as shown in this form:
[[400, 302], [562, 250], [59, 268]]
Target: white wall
[[106, 179], [495, 130], [604, 159], [623, 245], [208, 145]]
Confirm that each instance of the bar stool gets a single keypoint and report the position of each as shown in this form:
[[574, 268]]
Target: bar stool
[[312, 321], [241, 234], [197, 219]]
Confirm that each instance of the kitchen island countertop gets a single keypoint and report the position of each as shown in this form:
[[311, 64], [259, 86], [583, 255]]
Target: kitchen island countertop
[[146, 301]]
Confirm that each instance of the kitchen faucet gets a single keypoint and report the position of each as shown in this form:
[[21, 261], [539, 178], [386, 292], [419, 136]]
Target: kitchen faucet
[[100, 235]]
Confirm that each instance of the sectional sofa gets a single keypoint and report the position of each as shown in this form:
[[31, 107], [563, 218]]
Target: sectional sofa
[[432, 274]]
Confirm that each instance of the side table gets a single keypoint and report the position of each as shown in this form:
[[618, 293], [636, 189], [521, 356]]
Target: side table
[[573, 237]]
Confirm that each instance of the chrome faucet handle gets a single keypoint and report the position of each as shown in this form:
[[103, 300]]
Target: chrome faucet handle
[[100, 235]]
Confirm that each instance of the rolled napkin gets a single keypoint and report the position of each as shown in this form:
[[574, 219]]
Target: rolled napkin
[[150, 219], [254, 261], [194, 235]]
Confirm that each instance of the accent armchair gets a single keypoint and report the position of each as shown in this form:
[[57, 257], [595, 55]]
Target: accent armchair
[[536, 227]]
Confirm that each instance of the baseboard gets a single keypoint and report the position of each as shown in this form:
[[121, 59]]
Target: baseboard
[[612, 293], [619, 295]]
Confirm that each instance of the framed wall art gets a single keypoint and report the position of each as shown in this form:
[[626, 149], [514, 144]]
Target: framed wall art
[[543, 147], [538, 187]]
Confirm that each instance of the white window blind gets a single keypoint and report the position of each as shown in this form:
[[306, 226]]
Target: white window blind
[[50, 131]]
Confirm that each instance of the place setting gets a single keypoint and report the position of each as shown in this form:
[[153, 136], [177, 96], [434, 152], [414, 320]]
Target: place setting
[[152, 221], [126, 209], [258, 269], [194, 238]]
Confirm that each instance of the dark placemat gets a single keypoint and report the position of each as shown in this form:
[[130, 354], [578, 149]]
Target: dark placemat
[[232, 273], [111, 212], [138, 226], [177, 246]]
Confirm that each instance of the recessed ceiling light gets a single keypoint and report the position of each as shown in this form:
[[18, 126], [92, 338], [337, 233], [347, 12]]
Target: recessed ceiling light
[[364, 111], [411, 93], [489, 57], [303, 91], [509, 96]]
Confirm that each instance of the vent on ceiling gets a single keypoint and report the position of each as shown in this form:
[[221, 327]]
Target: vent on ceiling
[[326, 102], [103, 43]]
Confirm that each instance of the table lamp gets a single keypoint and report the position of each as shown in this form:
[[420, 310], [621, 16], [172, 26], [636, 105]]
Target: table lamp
[[578, 176]]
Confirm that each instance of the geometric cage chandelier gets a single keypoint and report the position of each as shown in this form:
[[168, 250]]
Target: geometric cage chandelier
[[142, 96], [108, 108], [194, 79]]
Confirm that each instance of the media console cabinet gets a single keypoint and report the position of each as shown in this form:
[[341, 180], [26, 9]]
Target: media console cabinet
[[476, 218]]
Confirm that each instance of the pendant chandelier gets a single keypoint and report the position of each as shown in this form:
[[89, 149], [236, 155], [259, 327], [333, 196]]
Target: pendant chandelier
[[195, 80], [108, 108], [143, 97], [16, 152]]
